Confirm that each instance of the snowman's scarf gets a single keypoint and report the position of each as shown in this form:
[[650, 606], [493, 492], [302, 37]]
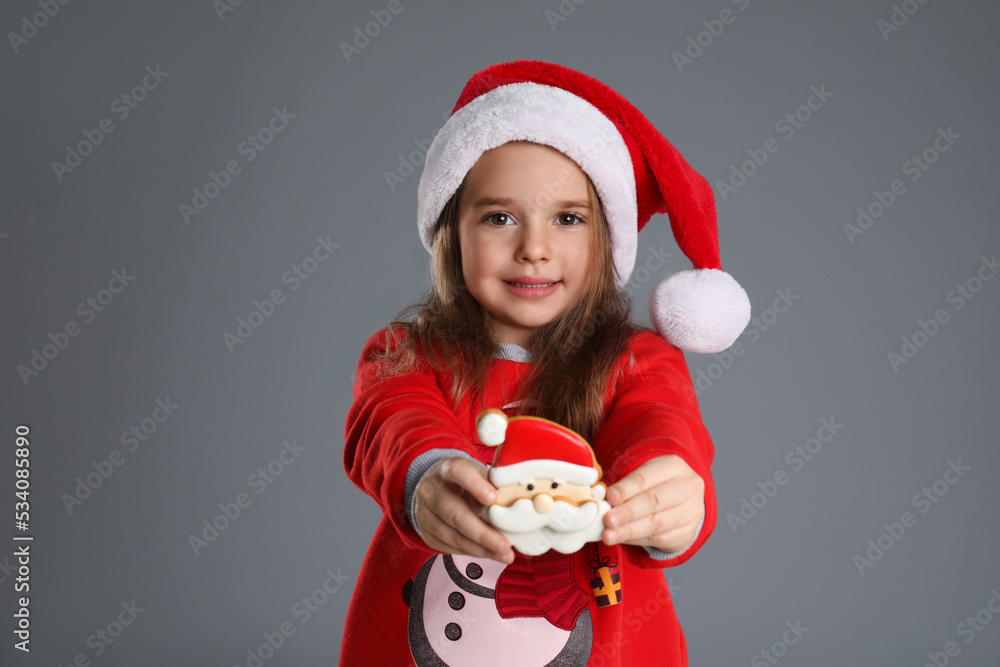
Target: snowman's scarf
[[541, 586]]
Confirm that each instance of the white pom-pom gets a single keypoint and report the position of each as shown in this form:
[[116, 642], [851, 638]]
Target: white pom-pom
[[492, 428], [700, 310]]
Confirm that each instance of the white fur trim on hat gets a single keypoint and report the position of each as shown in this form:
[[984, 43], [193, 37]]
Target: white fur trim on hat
[[546, 115], [543, 469], [700, 310]]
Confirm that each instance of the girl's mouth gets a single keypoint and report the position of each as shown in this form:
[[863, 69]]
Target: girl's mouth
[[526, 285], [524, 291]]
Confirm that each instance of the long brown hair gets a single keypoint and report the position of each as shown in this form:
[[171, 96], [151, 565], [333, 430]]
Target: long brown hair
[[573, 355]]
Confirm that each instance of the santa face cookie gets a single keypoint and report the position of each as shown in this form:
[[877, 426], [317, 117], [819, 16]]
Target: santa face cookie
[[549, 494], [454, 621], [541, 514]]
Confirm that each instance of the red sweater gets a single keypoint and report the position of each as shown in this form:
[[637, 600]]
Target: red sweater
[[407, 593]]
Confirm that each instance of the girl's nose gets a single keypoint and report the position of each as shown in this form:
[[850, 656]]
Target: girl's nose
[[535, 242]]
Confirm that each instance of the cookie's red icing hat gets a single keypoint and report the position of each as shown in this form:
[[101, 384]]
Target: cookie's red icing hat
[[535, 448]]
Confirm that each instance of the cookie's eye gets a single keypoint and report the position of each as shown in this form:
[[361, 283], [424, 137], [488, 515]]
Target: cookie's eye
[[555, 485], [531, 487]]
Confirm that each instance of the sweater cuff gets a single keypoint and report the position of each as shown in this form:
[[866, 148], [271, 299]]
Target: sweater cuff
[[418, 468], [659, 554]]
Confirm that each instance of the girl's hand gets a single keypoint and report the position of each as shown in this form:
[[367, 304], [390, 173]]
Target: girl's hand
[[659, 504], [448, 508]]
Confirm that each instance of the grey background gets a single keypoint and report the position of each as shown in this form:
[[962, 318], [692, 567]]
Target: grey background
[[323, 176]]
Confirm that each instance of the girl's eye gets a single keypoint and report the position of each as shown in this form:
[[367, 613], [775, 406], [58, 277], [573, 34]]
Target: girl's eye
[[531, 487], [493, 216], [555, 485], [504, 219]]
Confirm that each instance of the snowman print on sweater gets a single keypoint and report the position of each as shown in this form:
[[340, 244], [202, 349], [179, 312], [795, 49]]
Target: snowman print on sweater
[[453, 621]]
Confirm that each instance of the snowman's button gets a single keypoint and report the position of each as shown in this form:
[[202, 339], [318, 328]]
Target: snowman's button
[[453, 631], [473, 571], [456, 600]]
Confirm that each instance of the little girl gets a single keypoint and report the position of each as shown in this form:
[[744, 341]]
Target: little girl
[[530, 203]]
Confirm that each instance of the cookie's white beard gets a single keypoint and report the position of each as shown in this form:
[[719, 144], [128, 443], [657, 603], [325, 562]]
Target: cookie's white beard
[[566, 528], [521, 516]]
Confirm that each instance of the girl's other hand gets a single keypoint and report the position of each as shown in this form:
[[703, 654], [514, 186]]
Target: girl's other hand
[[659, 504], [448, 508]]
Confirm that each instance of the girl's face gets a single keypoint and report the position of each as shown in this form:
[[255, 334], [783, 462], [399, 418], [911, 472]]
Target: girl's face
[[524, 214]]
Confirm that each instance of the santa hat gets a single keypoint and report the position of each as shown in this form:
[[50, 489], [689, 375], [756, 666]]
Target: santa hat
[[634, 169], [520, 440]]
